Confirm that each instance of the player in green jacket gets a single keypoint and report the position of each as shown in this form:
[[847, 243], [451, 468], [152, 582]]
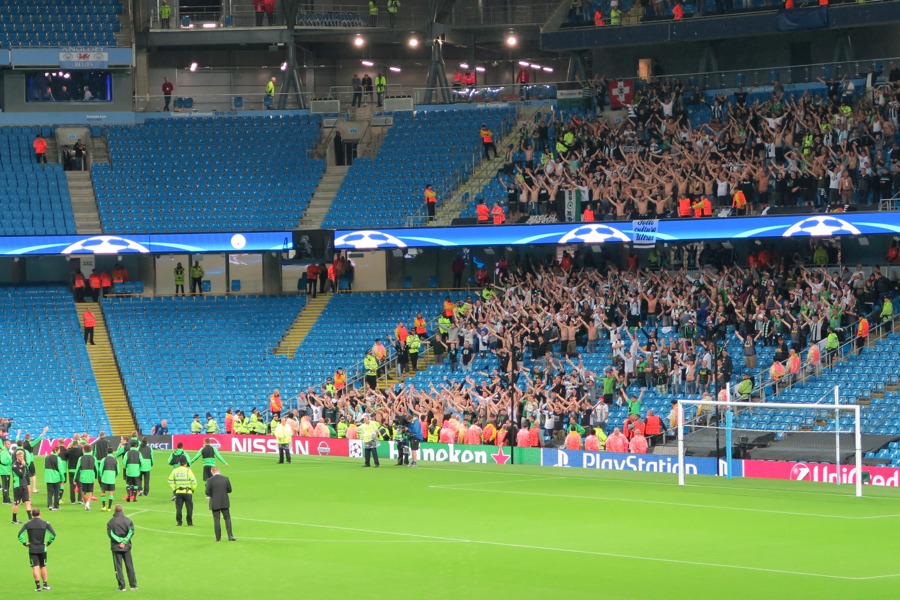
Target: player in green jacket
[[54, 475], [86, 474], [209, 456], [175, 459], [6, 460], [132, 467], [109, 472]]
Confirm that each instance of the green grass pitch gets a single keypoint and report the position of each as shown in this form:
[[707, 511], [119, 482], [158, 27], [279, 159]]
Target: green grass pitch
[[325, 528]]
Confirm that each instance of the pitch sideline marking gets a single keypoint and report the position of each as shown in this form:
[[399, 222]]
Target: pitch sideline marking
[[265, 539], [564, 550]]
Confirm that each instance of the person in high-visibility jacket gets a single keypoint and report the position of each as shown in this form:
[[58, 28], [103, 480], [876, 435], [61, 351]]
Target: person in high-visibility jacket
[[373, 13], [197, 274], [340, 382], [482, 212], [862, 334], [342, 427], [434, 432], [684, 206], [211, 425], [615, 16], [832, 342], [413, 345], [419, 326], [499, 216], [887, 309], [370, 364], [444, 324], [393, 6], [165, 14], [79, 284], [269, 98], [487, 141], [196, 425], [739, 202], [380, 88], [183, 483], [598, 19], [283, 432], [179, 279], [702, 208]]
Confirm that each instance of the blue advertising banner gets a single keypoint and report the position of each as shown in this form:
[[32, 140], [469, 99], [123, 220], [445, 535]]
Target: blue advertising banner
[[69, 57], [643, 463], [147, 243], [84, 58], [675, 230]]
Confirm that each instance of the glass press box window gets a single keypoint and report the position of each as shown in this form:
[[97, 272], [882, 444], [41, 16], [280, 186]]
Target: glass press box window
[[68, 86]]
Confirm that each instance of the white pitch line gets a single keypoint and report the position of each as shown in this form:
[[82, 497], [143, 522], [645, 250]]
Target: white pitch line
[[265, 539], [666, 503], [563, 550]]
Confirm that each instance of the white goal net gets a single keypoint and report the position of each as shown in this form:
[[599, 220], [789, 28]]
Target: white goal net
[[731, 430]]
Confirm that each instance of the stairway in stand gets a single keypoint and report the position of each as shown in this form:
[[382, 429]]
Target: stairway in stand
[[84, 202], [426, 359], [302, 324], [106, 372], [323, 197]]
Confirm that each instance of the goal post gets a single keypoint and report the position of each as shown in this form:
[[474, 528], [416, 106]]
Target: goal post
[[727, 411]]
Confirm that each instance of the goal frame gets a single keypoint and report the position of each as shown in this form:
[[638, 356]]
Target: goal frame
[[727, 406]]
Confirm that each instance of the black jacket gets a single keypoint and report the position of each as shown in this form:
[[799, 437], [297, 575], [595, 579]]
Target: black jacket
[[217, 489], [120, 529]]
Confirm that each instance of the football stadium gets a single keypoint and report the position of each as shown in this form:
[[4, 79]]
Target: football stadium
[[331, 297]]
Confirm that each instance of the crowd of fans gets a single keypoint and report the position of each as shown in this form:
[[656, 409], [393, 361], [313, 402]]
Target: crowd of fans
[[543, 328], [822, 151]]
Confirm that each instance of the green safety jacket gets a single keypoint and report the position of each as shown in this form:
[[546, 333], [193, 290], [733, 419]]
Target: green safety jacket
[[373, 8], [179, 275], [198, 271], [832, 342], [196, 426], [182, 480], [212, 426], [370, 365], [380, 84], [393, 6], [342, 429], [165, 11], [444, 324]]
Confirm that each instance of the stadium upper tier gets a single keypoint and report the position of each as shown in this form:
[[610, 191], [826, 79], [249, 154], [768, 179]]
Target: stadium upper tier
[[437, 147], [181, 356], [59, 23], [47, 378], [205, 174], [34, 198]]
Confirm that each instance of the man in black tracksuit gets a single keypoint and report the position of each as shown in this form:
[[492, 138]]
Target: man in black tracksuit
[[37, 535], [120, 530], [73, 455]]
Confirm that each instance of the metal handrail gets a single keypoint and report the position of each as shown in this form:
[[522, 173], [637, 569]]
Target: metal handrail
[[844, 350]]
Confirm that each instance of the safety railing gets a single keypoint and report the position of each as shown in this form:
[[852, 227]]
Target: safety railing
[[420, 217], [828, 359], [356, 374], [181, 102]]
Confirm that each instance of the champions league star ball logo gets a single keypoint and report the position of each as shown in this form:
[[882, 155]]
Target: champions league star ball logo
[[595, 233], [821, 226], [105, 244], [368, 240]]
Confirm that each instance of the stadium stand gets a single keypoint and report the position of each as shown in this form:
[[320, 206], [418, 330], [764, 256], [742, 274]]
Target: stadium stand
[[59, 23], [47, 373], [35, 198], [205, 174], [186, 355], [436, 147]]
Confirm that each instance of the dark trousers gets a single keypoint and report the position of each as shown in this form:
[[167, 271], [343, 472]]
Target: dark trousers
[[4, 483], [489, 146], [322, 281], [226, 513], [179, 288], [371, 453], [196, 285], [457, 280], [185, 501], [284, 452], [430, 206], [414, 361], [88, 335], [53, 494], [311, 287], [357, 98], [41, 158], [118, 559], [145, 482], [72, 498], [167, 98], [259, 18], [207, 472]]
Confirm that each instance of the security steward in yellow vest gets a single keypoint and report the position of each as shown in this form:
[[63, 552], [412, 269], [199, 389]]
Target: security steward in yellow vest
[[373, 13], [211, 425], [380, 87], [196, 425], [342, 428], [434, 432], [413, 345], [393, 7], [183, 483], [370, 364]]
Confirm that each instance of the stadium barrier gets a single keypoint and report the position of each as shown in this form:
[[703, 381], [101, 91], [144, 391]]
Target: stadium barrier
[[644, 463], [157, 442], [825, 473], [262, 444]]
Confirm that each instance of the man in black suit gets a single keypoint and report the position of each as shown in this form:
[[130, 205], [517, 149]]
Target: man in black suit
[[217, 489]]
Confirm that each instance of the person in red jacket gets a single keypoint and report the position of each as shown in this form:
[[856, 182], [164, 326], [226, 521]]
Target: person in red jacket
[[89, 323], [40, 149], [482, 212], [79, 286], [105, 282], [94, 280], [312, 277]]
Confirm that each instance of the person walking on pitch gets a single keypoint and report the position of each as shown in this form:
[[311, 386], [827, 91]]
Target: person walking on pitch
[[217, 489], [146, 453], [209, 455], [183, 483], [54, 475], [20, 483], [109, 472], [120, 530], [86, 474], [132, 472]]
